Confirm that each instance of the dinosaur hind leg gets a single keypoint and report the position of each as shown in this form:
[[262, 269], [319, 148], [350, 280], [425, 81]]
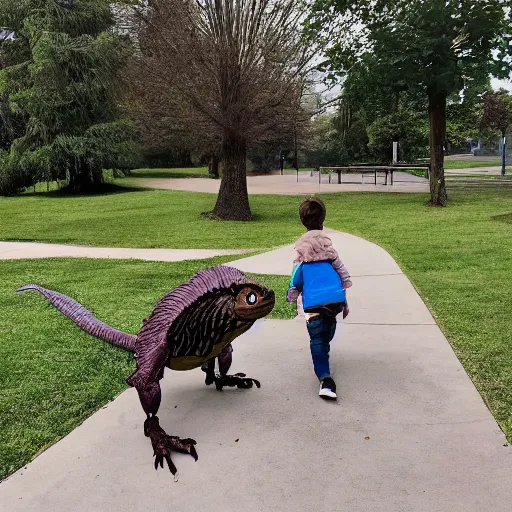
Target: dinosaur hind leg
[[209, 368], [224, 360], [238, 380]]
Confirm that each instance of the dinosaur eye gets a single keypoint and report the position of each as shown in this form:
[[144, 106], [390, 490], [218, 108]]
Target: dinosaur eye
[[251, 299]]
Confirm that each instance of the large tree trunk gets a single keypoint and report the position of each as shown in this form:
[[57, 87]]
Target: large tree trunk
[[233, 199], [437, 117], [84, 178]]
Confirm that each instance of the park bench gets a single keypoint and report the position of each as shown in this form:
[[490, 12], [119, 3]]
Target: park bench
[[370, 169]]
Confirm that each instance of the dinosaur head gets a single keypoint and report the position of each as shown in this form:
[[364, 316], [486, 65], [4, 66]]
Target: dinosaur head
[[253, 301]]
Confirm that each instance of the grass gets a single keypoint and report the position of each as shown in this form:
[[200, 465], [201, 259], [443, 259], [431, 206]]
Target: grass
[[468, 164], [146, 218], [483, 177], [188, 172], [54, 375], [504, 218], [421, 174], [458, 258], [460, 261]]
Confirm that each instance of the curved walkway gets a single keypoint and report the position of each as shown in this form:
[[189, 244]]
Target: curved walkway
[[287, 185], [484, 171], [26, 250], [409, 433]]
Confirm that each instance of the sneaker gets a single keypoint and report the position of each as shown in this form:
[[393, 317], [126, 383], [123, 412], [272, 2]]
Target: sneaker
[[328, 389]]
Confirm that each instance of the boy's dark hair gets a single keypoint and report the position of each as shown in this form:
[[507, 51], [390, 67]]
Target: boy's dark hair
[[312, 213]]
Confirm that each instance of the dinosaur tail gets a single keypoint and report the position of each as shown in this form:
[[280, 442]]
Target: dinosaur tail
[[85, 319]]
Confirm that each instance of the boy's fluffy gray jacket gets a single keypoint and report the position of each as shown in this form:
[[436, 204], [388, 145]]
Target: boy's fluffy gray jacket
[[315, 245]]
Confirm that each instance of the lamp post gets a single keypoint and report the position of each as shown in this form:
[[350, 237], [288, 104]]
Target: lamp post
[[503, 156]]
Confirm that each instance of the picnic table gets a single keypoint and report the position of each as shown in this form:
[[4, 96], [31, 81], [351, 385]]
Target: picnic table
[[371, 169]]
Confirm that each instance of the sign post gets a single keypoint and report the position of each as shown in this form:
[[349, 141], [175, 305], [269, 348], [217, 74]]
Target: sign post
[[395, 153]]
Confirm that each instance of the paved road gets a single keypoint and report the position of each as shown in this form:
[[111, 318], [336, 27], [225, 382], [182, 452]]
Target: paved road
[[409, 433]]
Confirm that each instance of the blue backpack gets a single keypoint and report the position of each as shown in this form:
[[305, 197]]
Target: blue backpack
[[319, 284]]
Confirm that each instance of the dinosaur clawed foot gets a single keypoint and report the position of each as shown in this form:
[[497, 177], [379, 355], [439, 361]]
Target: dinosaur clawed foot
[[164, 444], [239, 380]]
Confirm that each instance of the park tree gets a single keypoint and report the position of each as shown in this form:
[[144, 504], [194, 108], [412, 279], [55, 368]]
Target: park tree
[[367, 90], [11, 123], [497, 115], [380, 115], [437, 45], [404, 126], [225, 74], [58, 77]]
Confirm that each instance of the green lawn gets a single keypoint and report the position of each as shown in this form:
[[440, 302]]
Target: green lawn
[[187, 172], [421, 174], [459, 258], [145, 218], [54, 375], [468, 164], [504, 218], [482, 177]]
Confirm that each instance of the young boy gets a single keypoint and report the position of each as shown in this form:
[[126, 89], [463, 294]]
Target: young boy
[[321, 278]]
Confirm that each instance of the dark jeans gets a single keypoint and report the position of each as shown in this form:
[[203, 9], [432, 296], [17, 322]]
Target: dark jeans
[[321, 331]]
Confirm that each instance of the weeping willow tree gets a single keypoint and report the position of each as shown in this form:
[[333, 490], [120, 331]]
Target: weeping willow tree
[[228, 72], [59, 75]]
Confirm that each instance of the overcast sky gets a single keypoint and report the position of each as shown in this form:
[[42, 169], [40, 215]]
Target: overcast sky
[[497, 84]]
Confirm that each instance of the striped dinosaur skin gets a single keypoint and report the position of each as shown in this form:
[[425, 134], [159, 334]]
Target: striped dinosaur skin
[[201, 332], [189, 327]]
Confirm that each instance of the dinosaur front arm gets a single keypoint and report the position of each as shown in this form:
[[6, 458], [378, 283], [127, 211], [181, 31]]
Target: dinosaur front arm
[[146, 380], [164, 444]]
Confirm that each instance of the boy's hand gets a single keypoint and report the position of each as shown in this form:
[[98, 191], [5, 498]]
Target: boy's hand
[[346, 311], [292, 295]]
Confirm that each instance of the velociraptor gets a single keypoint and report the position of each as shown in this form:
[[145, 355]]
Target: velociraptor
[[189, 327]]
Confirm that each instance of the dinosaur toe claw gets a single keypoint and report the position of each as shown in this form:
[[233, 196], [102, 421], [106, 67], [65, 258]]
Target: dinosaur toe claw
[[239, 380], [164, 444]]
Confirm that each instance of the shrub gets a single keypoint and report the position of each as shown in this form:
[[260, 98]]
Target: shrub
[[404, 126]]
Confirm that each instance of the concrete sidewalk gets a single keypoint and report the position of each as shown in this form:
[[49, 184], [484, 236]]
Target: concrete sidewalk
[[484, 171], [409, 433], [25, 250], [286, 185]]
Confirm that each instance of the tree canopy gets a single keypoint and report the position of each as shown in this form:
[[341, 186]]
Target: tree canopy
[[435, 45], [58, 87], [497, 115], [221, 74], [497, 111]]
